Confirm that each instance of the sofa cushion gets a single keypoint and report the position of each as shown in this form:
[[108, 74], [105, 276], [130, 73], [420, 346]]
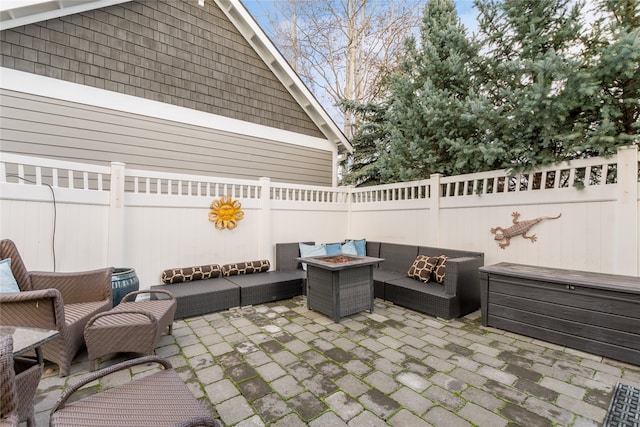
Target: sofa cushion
[[361, 246], [422, 268], [440, 269], [8, 283], [372, 249], [349, 248], [189, 274], [248, 267], [286, 254], [333, 248], [397, 257], [311, 250]]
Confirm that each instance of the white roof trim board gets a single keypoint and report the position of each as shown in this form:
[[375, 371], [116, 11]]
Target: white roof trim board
[[21, 81], [14, 13], [252, 32]]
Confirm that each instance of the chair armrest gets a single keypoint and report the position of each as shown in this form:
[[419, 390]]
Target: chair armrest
[[98, 316], [129, 297], [76, 287], [104, 372], [36, 309]]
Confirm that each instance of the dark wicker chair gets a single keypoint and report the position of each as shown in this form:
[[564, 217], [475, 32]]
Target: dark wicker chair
[[60, 301], [158, 399], [8, 396]]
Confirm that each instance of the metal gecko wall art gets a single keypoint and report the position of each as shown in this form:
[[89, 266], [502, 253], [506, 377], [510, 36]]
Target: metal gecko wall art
[[518, 228]]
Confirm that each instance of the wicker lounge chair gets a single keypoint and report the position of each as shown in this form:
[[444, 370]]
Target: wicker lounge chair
[[60, 301], [159, 399], [28, 373], [19, 378], [8, 396]]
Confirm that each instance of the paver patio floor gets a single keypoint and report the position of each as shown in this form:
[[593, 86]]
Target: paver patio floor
[[283, 365]]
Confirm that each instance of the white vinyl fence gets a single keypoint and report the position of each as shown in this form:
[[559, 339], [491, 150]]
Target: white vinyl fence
[[70, 216]]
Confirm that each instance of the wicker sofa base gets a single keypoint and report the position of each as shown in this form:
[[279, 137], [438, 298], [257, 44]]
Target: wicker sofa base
[[267, 287], [457, 296], [427, 298], [207, 296], [202, 296]]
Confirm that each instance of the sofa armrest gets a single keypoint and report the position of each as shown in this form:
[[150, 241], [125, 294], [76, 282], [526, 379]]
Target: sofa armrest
[[76, 287], [286, 254], [462, 274], [462, 280], [36, 309]]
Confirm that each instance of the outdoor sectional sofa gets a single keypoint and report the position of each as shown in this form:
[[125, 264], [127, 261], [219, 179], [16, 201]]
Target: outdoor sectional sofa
[[459, 294], [199, 297]]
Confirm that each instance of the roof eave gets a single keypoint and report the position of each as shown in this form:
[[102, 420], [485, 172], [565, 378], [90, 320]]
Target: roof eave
[[15, 13], [256, 37]]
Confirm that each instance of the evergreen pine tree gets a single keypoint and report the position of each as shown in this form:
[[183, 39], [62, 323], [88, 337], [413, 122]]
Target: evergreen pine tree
[[426, 120], [532, 60], [544, 88], [614, 73], [369, 142]]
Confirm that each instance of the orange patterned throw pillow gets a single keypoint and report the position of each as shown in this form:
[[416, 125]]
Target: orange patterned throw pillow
[[422, 268], [188, 274], [440, 269]]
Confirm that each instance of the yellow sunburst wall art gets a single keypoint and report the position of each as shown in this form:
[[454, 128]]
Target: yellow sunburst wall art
[[226, 213]]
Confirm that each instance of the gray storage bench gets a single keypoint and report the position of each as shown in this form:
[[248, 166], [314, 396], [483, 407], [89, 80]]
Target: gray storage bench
[[593, 312]]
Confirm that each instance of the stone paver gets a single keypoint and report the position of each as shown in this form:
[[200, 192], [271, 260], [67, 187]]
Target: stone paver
[[279, 364]]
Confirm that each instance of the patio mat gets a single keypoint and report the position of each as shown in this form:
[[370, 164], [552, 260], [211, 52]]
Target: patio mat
[[624, 410]]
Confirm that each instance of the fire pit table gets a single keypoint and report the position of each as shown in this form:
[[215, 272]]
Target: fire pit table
[[340, 285]]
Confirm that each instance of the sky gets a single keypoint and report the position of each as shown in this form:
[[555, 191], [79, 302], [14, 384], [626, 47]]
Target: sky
[[467, 13], [261, 9]]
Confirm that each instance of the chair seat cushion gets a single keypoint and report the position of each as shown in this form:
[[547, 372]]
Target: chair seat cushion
[[76, 316], [82, 312], [161, 399], [163, 310]]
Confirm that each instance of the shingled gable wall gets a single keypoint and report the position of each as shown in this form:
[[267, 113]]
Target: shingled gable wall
[[174, 52]]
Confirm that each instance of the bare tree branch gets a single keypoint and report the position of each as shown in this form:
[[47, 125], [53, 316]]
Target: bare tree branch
[[340, 48]]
